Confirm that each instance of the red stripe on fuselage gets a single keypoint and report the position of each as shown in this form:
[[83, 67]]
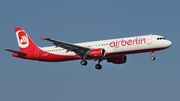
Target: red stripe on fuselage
[[49, 57]]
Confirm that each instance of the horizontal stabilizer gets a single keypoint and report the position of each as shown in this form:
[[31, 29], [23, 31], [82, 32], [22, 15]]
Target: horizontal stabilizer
[[13, 51]]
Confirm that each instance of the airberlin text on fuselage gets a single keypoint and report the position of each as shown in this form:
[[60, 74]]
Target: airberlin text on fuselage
[[128, 42]]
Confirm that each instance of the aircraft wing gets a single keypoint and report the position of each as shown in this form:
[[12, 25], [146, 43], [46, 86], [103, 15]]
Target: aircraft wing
[[79, 50]]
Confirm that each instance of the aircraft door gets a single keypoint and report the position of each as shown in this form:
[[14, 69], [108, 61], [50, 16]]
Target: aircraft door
[[149, 39], [36, 53]]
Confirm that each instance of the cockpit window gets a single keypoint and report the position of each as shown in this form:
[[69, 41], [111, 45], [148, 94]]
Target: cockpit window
[[161, 38]]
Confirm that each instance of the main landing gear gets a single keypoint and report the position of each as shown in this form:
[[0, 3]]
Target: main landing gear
[[84, 62], [97, 66], [152, 54]]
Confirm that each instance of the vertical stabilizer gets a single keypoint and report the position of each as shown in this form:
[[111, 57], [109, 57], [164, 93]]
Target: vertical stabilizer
[[25, 43]]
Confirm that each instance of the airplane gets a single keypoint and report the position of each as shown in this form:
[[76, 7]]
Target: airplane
[[112, 50]]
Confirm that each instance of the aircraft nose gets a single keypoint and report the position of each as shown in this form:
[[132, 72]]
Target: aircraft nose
[[168, 43]]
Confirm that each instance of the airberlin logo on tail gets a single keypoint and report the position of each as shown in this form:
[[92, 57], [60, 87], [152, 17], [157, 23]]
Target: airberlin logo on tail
[[22, 39]]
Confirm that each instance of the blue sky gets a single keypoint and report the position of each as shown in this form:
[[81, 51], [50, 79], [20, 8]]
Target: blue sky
[[140, 79]]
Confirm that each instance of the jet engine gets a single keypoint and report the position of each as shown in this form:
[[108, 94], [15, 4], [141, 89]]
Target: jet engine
[[120, 59], [97, 53]]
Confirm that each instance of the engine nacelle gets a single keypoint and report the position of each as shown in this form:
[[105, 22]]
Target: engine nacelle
[[120, 59], [97, 53]]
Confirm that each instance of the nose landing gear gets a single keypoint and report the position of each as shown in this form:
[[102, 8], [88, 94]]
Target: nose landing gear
[[153, 58], [152, 54]]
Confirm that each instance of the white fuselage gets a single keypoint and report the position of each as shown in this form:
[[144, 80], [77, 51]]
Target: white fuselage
[[129, 45]]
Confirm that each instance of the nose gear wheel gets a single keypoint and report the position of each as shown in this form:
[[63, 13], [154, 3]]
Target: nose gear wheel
[[152, 54]]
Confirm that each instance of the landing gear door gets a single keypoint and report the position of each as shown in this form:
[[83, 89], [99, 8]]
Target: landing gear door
[[149, 39]]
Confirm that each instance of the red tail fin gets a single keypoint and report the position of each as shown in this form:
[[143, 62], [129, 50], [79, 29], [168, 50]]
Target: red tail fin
[[24, 41]]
